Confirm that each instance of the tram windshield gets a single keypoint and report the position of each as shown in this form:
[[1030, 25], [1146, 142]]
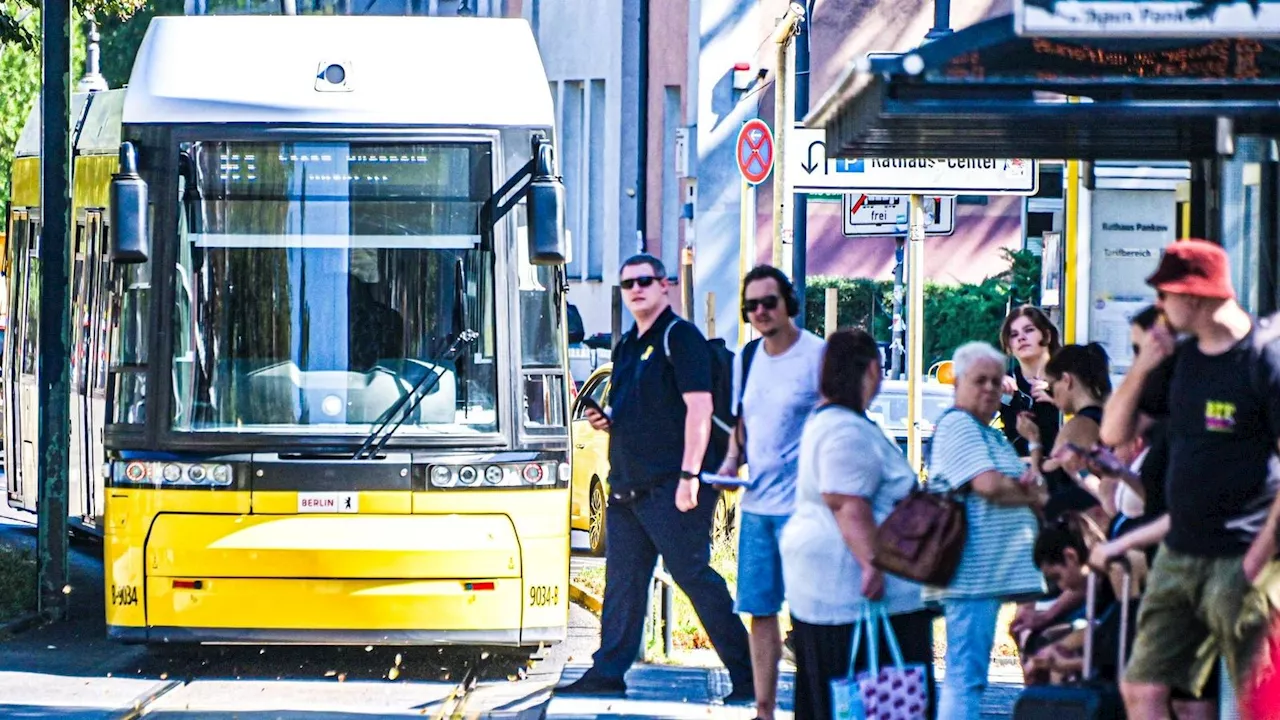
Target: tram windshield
[[318, 282]]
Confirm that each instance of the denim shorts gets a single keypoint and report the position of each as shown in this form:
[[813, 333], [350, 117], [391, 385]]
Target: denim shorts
[[760, 589]]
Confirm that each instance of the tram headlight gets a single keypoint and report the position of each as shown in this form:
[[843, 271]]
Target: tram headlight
[[196, 473], [441, 475], [467, 475], [171, 473], [533, 473], [493, 474], [221, 474], [135, 472]]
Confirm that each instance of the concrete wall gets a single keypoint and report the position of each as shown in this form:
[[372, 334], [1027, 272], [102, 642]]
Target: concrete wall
[[585, 47]]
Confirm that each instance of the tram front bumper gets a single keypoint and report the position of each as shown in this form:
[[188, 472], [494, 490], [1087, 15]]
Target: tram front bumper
[[420, 579]]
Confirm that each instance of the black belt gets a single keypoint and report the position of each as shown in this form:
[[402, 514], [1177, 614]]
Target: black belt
[[627, 497]]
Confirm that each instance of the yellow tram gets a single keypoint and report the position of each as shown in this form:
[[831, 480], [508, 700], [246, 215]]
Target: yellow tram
[[319, 358]]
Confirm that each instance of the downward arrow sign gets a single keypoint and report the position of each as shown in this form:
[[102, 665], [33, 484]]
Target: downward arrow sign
[[810, 166]]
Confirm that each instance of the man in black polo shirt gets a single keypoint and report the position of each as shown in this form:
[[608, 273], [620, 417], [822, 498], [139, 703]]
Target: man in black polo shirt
[[1220, 390], [659, 426]]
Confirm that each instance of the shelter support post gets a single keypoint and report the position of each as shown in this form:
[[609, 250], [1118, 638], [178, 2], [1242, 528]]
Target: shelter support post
[[53, 394], [1269, 245], [915, 332], [1206, 210]]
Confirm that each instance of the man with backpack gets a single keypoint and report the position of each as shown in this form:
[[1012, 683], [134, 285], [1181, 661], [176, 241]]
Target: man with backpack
[[775, 392], [660, 427], [1220, 390]]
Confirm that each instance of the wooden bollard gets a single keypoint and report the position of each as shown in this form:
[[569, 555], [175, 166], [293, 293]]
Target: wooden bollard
[[831, 316], [711, 315]]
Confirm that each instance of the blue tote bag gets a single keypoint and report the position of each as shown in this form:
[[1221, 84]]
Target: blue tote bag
[[896, 692]]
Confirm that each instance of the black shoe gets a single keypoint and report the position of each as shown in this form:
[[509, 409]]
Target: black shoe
[[741, 696], [594, 687]]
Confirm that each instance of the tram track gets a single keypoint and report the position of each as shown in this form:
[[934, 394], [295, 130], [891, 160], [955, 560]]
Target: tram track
[[454, 705]]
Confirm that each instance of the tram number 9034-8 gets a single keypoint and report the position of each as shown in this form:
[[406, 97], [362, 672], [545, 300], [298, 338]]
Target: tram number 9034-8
[[542, 595], [124, 594]]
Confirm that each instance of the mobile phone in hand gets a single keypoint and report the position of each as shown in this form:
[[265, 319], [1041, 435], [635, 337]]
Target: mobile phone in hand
[[1102, 461]]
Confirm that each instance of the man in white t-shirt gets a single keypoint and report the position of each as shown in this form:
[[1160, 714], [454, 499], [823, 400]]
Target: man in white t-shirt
[[775, 389]]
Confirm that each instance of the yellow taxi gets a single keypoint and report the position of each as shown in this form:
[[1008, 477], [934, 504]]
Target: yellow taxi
[[590, 484]]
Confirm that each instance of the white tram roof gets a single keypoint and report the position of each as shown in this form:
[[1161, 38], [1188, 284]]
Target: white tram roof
[[418, 71]]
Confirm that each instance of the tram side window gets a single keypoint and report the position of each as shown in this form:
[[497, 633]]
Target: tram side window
[[542, 354], [100, 315], [17, 301], [31, 326], [79, 309], [129, 354]]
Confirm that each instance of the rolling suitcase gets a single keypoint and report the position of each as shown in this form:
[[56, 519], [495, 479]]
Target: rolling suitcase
[[1091, 698]]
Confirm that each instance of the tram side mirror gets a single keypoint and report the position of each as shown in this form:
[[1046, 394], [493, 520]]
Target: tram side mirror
[[546, 212], [129, 236]]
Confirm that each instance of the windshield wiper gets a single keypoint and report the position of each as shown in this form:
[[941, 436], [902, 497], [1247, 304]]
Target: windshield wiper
[[372, 445]]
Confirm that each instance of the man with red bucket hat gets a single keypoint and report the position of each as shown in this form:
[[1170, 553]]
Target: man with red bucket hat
[[1219, 387]]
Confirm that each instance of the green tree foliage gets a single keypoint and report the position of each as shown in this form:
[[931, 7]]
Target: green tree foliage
[[14, 14], [20, 82], [121, 37], [953, 314]]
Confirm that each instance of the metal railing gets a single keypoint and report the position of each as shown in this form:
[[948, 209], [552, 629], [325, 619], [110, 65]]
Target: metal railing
[[661, 608]]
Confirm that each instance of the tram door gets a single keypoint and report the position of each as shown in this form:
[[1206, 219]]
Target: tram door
[[17, 251], [88, 368], [24, 325]]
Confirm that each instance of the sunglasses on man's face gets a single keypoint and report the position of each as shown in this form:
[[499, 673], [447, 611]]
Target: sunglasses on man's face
[[769, 302], [643, 281]]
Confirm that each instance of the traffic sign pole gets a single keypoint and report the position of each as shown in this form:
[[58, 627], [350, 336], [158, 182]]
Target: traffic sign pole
[[782, 36], [800, 201]]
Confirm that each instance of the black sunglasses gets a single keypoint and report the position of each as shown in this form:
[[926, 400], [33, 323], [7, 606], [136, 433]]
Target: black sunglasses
[[643, 281], [769, 302]]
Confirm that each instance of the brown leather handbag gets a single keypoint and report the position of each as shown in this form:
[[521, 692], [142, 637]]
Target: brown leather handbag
[[923, 537]]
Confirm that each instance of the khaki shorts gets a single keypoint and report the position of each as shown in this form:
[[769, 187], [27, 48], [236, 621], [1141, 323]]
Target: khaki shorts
[[1195, 609]]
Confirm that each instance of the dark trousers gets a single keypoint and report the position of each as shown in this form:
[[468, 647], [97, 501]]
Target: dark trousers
[[635, 535], [822, 655]]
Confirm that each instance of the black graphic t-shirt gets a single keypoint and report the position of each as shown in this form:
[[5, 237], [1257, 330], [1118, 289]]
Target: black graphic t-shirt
[[1223, 423]]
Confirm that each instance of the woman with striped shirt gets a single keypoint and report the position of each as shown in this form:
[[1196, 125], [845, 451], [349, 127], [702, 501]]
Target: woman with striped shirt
[[978, 462]]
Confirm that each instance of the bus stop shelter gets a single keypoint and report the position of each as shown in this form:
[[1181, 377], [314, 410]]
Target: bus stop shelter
[[986, 91]]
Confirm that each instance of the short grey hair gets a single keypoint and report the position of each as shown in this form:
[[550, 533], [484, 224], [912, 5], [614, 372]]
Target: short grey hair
[[970, 354]]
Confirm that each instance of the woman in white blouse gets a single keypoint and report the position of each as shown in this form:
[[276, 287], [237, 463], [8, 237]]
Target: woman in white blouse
[[977, 461], [850, 476]]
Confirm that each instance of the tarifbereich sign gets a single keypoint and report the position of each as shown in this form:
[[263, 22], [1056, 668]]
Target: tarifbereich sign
[[1147, 18]]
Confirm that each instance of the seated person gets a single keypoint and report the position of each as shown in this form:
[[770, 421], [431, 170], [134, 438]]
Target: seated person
[[1065, 602], [1057, 654]]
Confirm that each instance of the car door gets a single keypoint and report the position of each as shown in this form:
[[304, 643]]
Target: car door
[[590, 450]]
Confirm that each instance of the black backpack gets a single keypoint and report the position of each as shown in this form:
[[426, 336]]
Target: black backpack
[[723, 417], [748, 353]]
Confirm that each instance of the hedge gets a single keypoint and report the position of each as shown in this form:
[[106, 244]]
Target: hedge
[[953, 314]]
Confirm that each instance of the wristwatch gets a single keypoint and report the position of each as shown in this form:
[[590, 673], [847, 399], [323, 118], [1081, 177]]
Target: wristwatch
[[686, 475]]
